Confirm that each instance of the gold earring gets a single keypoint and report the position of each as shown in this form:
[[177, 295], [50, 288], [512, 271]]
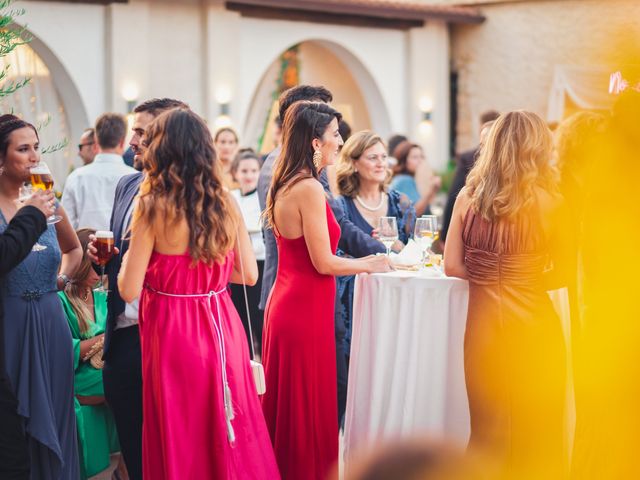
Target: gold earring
[[317, 159]]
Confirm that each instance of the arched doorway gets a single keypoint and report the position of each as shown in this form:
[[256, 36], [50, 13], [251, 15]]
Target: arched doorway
[[319, 62], [50, 101]]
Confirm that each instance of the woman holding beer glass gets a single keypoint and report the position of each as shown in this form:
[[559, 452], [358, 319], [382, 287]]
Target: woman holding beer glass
[[86, 312], [38, 350]]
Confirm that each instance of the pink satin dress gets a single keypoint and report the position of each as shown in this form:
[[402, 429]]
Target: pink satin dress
[[194, 357]]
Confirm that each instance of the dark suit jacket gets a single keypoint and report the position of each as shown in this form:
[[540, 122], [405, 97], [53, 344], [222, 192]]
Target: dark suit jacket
[[16, 242], [352, 240], [126, 191], [465, 164]]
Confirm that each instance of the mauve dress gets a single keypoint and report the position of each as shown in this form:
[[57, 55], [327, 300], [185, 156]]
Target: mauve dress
[[39, 356], [514, 348]]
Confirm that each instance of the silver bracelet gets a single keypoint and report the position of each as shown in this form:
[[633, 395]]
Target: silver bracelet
[[65, 281]]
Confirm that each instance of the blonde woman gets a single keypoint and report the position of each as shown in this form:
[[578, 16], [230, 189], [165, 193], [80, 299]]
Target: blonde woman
[[503, 226], [86, 312], [362, 179]]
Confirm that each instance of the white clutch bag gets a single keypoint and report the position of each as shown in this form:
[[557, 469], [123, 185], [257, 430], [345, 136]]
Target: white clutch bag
[[258, 377]]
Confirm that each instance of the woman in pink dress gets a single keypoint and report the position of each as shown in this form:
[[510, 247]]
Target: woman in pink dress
[[202, 416], [299, 351]]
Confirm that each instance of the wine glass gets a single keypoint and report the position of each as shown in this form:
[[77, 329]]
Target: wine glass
[[24, 194], [436, 227], [424, 235], [104, 247], [388, 232], [41, 179]]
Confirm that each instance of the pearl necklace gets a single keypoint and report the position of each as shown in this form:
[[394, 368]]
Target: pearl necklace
[[367, 207]]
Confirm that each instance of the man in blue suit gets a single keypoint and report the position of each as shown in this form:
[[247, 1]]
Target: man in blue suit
[[353, 241], [122, 374]]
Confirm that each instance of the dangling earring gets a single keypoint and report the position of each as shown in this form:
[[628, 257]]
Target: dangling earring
[[317, 159], [355, 170], [1, 171]]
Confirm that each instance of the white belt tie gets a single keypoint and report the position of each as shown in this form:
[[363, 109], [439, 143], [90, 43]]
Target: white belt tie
[[226, 391]]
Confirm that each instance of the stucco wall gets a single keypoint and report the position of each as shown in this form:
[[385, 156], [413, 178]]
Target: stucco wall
[[191, 49], [508, 61]]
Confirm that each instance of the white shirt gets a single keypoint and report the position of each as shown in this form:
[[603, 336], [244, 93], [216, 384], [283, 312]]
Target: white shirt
[[130, 315], [89, 191], [250, 208]]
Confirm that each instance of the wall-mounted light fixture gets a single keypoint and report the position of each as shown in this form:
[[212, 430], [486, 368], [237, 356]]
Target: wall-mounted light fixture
[[223, 98], [130, 93], [426, 109]]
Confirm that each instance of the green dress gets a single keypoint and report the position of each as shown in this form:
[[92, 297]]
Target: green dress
[[97, 436]]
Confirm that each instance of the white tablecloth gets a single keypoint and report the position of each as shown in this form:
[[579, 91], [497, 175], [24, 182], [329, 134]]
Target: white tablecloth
[[406, 372]]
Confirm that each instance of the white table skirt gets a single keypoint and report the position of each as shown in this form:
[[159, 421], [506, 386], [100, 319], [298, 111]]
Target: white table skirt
[[406, 371]]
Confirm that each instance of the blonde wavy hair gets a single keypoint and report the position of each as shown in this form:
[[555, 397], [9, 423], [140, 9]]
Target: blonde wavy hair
[[77, 288], [183, 182], [347, 178], [514, 160]]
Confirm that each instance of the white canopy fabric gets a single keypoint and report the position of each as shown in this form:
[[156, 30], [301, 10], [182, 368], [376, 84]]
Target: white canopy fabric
[[586, 86]]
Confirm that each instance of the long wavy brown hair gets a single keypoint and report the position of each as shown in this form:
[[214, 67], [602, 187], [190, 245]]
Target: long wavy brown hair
[[183, 182], [77, 288], [303, 122], [514, 160]]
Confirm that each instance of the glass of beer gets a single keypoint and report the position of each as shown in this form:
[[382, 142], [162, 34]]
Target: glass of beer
[[41, 179], [104, 246]]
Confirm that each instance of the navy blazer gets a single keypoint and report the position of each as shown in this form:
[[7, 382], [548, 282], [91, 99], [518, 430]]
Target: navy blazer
[[126, 191], [352, 239]]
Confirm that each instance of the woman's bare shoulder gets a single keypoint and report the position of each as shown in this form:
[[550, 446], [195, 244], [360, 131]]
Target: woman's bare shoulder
[[307, 187]]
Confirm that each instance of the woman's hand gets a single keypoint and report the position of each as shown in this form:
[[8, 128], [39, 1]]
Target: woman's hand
[[397, 246], [92, 251], [43, 201], [377, 264]]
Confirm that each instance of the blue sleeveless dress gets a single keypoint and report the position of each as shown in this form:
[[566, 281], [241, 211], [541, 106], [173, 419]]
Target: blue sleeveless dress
[[39, 360]]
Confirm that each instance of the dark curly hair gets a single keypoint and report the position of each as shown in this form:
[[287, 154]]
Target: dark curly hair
[[183, 182]]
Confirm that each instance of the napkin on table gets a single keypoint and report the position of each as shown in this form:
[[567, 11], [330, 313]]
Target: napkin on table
[[410, 255]]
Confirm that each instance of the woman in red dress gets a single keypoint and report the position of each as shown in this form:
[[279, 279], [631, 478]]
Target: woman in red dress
[[300, 404]]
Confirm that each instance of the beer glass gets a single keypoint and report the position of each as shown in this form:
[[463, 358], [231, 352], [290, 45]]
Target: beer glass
[[41, 179], [104, 247]]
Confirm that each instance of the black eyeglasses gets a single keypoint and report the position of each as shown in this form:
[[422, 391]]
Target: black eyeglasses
[[80, 145]]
